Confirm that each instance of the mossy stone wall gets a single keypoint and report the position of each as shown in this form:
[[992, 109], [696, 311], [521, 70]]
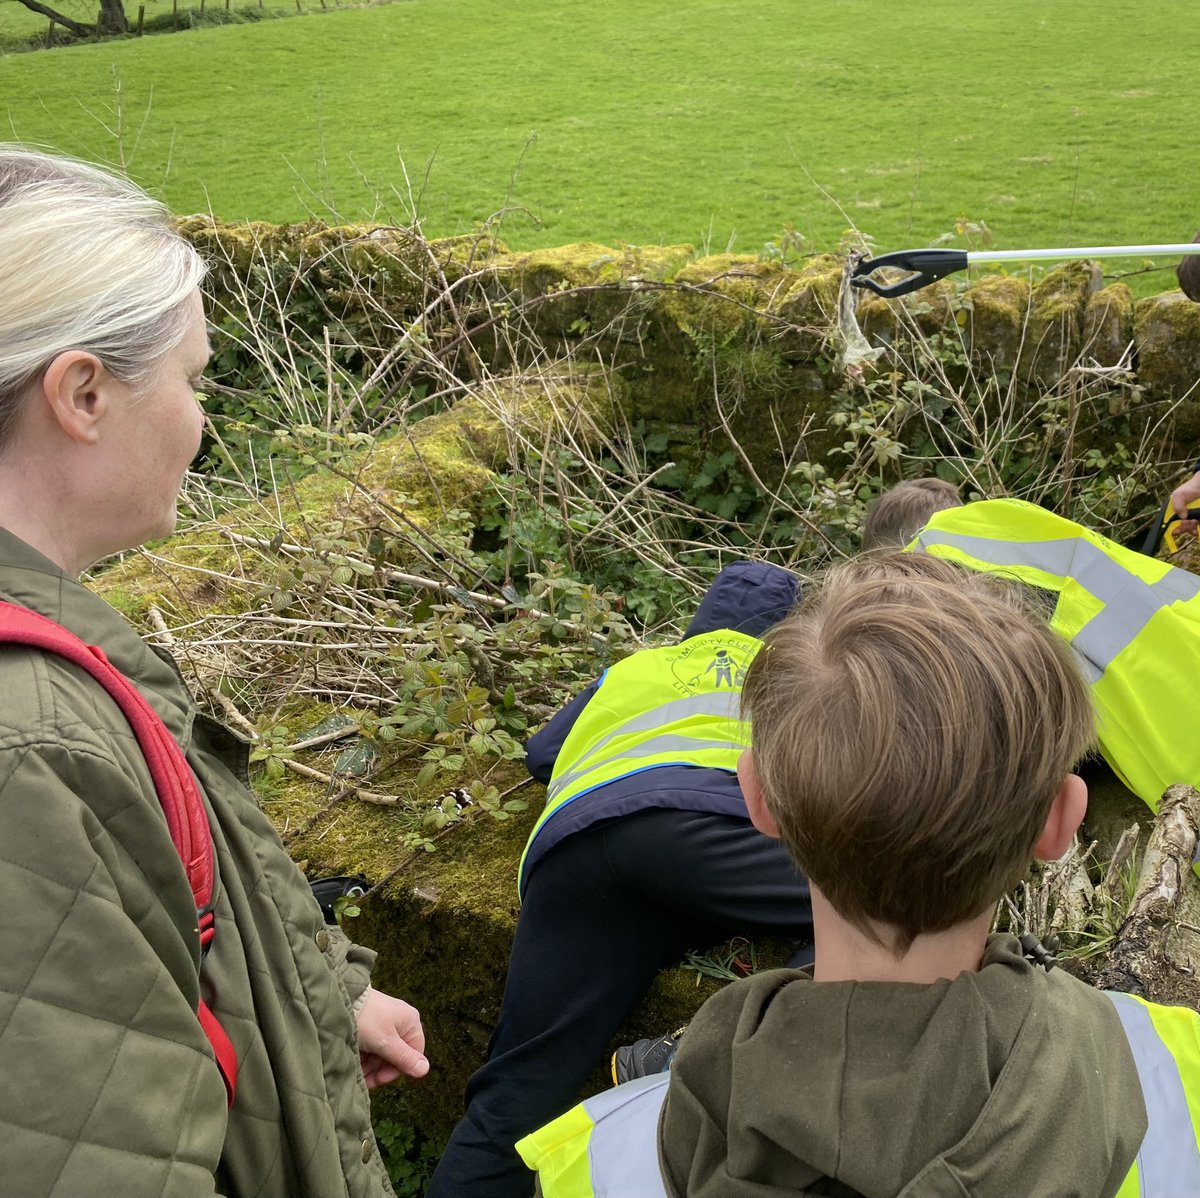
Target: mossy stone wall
[[705, 342]]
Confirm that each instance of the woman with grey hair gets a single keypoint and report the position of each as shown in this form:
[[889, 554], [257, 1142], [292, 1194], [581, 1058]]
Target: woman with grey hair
[[140, 1053]]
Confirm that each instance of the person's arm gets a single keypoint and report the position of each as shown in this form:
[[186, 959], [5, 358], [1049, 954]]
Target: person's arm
[[109, 1084], [543, 747]]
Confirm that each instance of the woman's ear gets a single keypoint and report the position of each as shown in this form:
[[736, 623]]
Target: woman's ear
[[756, 805], [75, 388], [1062, 822]]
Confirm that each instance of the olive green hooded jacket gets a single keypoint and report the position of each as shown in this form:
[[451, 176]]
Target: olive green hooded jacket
[[108, 1087], [1005, 1083]]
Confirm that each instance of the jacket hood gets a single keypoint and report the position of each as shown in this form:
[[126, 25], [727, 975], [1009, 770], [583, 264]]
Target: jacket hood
[[1010, 1080], [748, 597]]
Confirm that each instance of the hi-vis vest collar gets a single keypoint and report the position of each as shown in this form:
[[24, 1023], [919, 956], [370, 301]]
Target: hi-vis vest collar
[[1133, 622], [677, 705], [607, 1147]]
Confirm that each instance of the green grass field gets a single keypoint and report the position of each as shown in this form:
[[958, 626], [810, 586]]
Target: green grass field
[[712, 121]]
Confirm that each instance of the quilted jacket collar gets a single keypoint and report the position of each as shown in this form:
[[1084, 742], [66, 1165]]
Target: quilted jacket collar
[[33, 581]]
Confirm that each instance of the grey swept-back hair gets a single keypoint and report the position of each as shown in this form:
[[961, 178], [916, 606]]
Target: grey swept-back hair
[[87, 261]]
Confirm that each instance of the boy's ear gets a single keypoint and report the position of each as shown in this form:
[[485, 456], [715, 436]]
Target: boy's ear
[[75, 387], [1066, 814], [756, 805]]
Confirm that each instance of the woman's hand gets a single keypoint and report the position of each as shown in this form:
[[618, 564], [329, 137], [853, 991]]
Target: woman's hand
[[391, 1040]]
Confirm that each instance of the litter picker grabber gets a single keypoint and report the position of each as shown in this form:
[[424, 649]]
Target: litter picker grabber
[[929, 265], [1162, 529]]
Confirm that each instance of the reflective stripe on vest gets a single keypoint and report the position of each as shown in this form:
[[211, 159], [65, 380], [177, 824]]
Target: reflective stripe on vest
[[1130, 601], [1165, 1042], [607, 1147], [1133, 622], [719, 706], [677, 705]]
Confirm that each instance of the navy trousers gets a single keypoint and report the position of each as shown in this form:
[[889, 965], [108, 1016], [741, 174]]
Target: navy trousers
[[605, 911]]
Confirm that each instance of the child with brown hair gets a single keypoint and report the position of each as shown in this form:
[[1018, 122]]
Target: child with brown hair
[[897, 515], [914, 732]]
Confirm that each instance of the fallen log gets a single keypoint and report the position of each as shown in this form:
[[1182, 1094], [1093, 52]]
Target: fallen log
[[1156, 951]]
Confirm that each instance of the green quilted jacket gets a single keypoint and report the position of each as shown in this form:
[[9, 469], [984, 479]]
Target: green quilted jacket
[[107, 1083]]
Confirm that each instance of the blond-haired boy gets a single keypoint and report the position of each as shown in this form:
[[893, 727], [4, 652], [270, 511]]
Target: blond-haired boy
[[914, 732]]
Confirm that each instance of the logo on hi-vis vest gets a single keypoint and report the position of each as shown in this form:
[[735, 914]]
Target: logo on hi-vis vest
[[701, 666], [721, 668]]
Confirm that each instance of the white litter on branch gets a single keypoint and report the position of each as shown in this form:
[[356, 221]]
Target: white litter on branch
[[856, 349]]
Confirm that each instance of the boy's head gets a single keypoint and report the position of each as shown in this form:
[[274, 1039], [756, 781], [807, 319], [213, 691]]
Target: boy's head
[[913, 724], [900, 513]]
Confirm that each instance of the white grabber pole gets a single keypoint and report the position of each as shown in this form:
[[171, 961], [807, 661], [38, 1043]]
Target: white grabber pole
[[928, 265]]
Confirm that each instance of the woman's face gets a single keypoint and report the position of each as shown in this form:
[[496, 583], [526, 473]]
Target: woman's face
[[157, 433]]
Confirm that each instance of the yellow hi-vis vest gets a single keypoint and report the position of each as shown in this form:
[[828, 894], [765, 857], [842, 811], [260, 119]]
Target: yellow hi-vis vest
[[607, 1147], [677, 705], [1133, 622]]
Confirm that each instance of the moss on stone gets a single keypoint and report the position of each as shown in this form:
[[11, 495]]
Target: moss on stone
[[1056, 314], [929, 310], [444, 464], [1167, 335], [721, 295], [201, 574], [546, 284], [443, 928], [674, 346], [444, 934], [1108, 324], [809, 305], [997, 307], [238, 245], [359, 271]]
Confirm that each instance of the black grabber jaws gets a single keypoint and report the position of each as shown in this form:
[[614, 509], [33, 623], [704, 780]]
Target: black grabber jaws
[[928, 266]]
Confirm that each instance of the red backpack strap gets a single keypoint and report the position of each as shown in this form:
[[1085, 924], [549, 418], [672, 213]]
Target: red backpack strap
[[187, 819]]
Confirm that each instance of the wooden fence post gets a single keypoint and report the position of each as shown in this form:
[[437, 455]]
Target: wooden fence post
[[175, 12], [141, 18]]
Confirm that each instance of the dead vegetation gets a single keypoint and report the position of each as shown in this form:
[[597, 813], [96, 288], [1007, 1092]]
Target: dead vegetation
[[446, 485]]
